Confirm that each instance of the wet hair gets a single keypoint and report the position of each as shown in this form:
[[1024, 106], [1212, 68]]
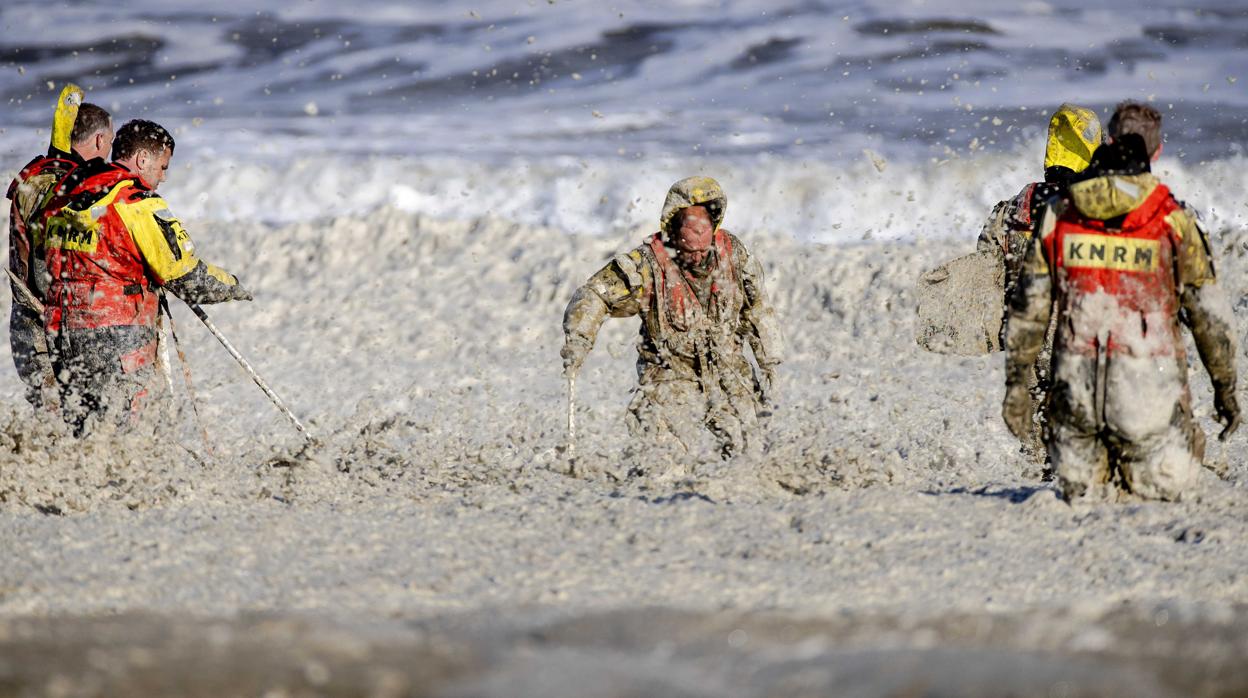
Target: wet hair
[[141, 134], [1140, 119], [91, 120], [1127, 155]]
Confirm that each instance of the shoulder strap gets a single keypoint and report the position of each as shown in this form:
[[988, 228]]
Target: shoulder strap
[[658, 249], [723, 248]]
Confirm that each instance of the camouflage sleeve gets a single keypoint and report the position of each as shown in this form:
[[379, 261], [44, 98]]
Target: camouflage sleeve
[[26, 230], [995, 233], [617, 290], [1194, 264], [1030, 305], [207, 284], [33, 193], [1206, 310], [759, 323]]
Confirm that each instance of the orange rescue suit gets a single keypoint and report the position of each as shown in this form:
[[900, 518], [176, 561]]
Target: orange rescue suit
[[1135, 265], [98, 275]]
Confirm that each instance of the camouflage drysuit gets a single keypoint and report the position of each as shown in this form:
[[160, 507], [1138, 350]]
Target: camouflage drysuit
[[1124, 263], [29, 192], [692, 369], [1074, 134], [35, 190]]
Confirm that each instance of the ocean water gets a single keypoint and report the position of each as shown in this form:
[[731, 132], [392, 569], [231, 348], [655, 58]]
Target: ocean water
[[836, 121]]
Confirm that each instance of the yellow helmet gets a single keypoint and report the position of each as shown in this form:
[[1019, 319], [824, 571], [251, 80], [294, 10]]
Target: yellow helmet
[[1074, 134]]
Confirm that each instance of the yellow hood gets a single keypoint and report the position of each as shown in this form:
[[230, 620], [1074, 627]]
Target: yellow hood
[[1111, 196], [66, 114], [693, 191], [1074, 134]]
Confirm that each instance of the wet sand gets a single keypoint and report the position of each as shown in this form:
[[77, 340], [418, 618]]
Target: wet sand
[[1145, 652]]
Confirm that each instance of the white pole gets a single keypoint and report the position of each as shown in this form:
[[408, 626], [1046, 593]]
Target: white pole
[[277, 401]]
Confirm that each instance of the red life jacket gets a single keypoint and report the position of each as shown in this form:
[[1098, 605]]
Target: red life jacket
[[25, 243], [1021, 206], [1116, 289], [676, 305], [99, 278]]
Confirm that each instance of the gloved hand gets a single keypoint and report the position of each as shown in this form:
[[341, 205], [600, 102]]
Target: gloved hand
[[1227, 407], [240, 294], [1016, 410], [764, 388], [573, 353]]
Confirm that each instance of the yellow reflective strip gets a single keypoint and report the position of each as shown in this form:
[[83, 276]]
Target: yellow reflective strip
[[1091, 251], [79, 230]]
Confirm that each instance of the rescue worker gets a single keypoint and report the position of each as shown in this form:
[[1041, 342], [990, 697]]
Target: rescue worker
[[1074, 134], [1125, 264], [701, 298], [112, 250], [80, 132]]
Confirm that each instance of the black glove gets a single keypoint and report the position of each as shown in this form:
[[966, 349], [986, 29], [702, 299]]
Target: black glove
[[240, 294], [1016, 410], [764, 388], [1227, 407]]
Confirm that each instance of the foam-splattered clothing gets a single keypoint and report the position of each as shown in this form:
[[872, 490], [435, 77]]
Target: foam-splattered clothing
[[30, 193], [111, 250], [1073, 136], [692, 369], [1120, 262]]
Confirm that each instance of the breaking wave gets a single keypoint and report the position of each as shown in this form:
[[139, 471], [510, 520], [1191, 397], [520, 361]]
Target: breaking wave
[[500, 78]]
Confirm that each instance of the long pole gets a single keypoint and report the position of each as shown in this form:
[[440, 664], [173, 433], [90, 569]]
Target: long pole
[[277, 401], [571, 425], [572, 414]]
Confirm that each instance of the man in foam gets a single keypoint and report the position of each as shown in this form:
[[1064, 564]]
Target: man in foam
[[80, 132], [1074, 134], [111, 251], [1125, 264], [700, 296]]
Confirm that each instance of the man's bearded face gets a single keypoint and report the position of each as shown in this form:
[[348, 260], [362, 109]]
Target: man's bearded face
[[694, 236]]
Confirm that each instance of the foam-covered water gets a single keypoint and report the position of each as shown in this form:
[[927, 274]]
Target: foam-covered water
[[845, 201], [424, 353], [294, 111], [502, 76], [867, 198]]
